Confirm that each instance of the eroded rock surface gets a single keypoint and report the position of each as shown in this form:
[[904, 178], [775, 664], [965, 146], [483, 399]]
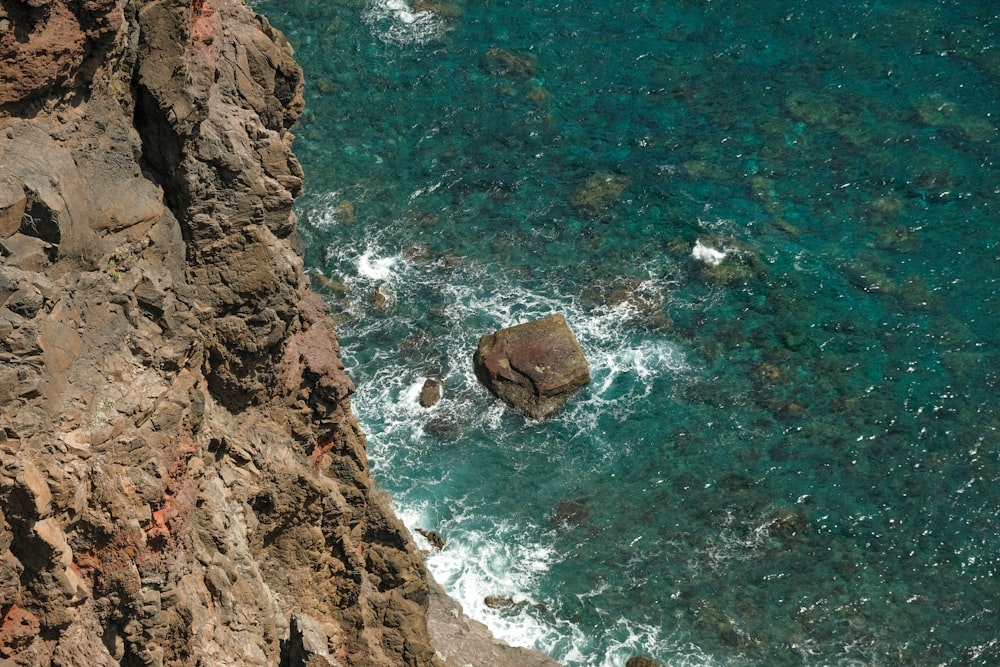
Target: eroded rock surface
[[534, 366], [182, 480]]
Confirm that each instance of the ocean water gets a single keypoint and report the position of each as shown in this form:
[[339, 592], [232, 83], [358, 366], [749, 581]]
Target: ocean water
[[788, 458]]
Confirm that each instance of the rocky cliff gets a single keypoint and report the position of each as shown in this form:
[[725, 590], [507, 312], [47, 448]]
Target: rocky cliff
[[182, 480]]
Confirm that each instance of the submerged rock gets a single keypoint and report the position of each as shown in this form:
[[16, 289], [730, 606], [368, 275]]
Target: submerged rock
[[814, 109], [533, 367], [722, 260], [571, 512], [898, 239], [445, 10], [599, 192], [510, 63], [787, 524]]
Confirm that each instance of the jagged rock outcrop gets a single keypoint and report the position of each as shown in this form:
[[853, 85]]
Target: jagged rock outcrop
[[534, 366], [182, 480]]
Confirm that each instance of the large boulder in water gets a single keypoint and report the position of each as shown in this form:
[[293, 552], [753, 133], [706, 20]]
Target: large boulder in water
[[533, 366]]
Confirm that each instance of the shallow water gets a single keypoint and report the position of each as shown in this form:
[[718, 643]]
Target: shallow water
[[788, 459]]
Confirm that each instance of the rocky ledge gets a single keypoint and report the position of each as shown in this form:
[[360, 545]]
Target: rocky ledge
[[182, 480]]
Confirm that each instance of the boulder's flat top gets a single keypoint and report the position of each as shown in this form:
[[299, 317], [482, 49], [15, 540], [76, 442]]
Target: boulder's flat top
[[533, 366]]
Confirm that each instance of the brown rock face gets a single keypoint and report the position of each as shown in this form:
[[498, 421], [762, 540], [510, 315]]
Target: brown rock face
[[47, 45], [182, 479], [533, 367]]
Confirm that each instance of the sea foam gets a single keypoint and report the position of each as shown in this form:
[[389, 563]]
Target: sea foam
[[395, 22], [426, 457], [707, 254], [375, 268]]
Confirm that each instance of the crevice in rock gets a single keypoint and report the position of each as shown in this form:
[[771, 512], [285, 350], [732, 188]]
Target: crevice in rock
[[23, 18], [42, 222], [162, 152]]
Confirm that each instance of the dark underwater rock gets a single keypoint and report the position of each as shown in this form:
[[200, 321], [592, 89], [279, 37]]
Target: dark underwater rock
[[787, 524], [509, 63], [571, 512], [722, 260], [599, 192]]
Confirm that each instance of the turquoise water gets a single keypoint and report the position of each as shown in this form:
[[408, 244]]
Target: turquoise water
[[791, 458]]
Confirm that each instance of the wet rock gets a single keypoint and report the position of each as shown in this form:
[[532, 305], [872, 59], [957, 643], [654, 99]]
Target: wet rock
[[417, 253], [642, 661], [463, 641], [445, 426], [382, 299], [445, 10], [643, 298], [330, 285], [500, 602], [434, 537], [430, 393], [534, 366]]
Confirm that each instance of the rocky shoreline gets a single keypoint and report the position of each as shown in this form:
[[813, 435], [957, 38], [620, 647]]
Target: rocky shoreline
[[182, 480]]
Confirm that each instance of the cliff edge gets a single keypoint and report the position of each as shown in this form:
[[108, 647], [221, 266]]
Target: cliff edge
[[182, 480]]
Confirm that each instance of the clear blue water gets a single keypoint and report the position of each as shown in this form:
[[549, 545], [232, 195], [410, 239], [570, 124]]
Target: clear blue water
[[789, 459]]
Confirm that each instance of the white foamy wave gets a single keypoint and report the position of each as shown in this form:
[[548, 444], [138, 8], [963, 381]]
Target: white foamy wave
[[324, 211], [499, 561], [631, 639], [707, 254], [495, 558], [376, 268], [422, 454], [395, 22]]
